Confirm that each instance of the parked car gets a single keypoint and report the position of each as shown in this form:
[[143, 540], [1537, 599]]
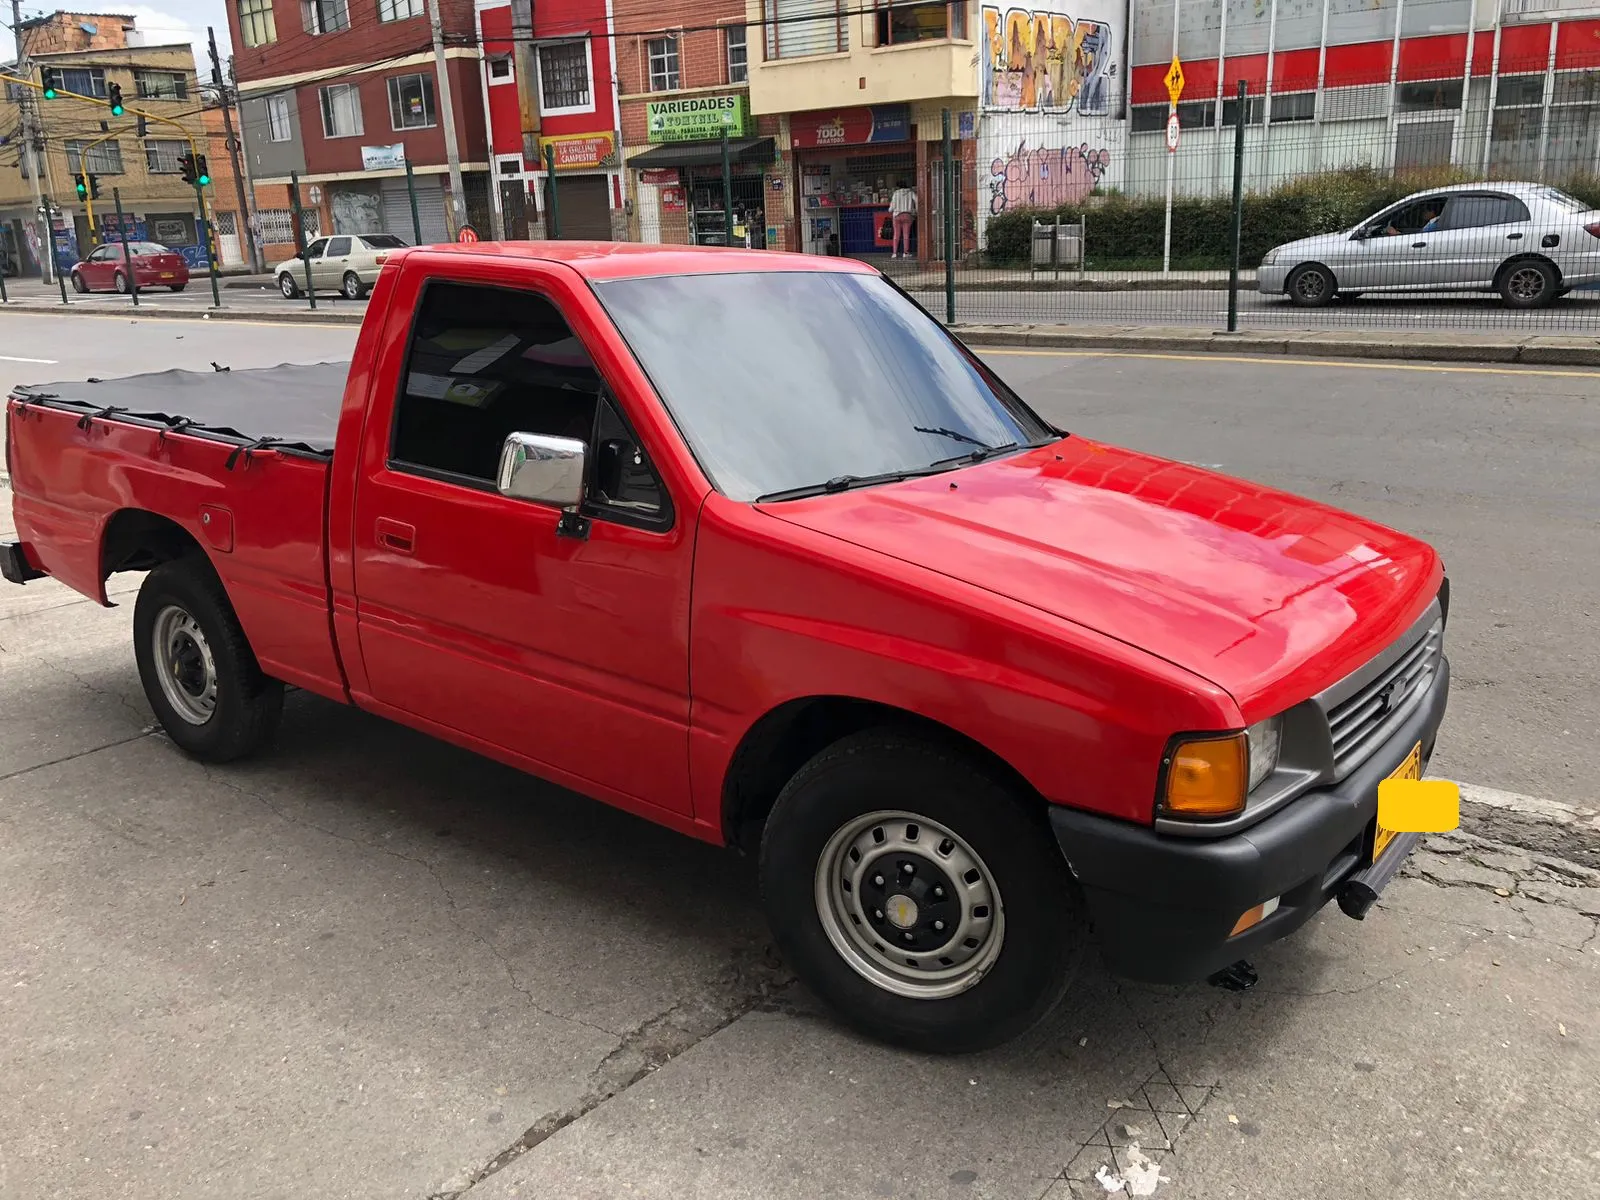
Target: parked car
[[106, 268], [806, 579], [347, 262], [1529, 242]]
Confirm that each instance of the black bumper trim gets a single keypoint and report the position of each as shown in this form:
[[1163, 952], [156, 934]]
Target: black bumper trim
[[1164, 907], [14, 566]]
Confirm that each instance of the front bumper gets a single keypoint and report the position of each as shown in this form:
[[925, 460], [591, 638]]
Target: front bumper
[[1270, 280], [1164, 907]]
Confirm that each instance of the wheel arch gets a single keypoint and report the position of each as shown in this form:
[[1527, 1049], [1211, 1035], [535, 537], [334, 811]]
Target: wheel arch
[[1523, 256], [1311, 262], [784, 739], [135, 539]]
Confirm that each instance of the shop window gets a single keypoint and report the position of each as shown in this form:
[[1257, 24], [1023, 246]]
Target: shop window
[[399, 10], [564, 76], [341, 111], [411, 102], [738, 53], [256, 25], [325, 16], [663, 56], [278, 127], [104, 159], [1431, 96], [796, 28], [901, 23]]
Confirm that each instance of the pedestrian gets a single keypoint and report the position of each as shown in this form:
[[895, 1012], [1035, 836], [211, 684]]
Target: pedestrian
[[903, 210]]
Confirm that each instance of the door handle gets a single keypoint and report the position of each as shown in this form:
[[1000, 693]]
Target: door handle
[[1419, 245], [396, 536], [1513, 237]]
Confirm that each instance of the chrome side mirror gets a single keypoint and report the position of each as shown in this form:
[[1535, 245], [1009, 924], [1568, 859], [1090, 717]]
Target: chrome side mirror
[[542, 470]]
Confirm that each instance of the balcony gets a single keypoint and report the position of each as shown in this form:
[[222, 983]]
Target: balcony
[[817, 54]]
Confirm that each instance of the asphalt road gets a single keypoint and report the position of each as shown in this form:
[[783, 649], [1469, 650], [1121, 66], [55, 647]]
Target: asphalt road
[[369, 965]]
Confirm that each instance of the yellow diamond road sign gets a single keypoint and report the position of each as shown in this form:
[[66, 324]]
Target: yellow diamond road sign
[[1174, 80]]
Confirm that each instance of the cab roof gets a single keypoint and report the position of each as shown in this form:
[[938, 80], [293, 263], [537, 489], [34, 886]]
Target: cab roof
[[630, 260]]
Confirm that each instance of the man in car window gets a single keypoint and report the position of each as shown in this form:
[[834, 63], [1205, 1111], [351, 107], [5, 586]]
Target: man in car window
[[1430, 223]]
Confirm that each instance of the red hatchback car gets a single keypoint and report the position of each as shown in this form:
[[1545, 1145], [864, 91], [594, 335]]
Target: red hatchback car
[[106, 270]]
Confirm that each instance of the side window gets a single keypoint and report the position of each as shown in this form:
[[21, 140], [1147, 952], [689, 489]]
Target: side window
[[1475, 212], [316, 247], [338, 247], [486, 362], [623, 476]]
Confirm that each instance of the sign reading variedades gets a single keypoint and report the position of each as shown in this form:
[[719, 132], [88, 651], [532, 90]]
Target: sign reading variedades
[[696, 118], [851, 126], [383, 158]]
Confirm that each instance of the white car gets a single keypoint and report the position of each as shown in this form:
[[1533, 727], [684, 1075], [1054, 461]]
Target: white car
[[1527, 241], [347, 263]]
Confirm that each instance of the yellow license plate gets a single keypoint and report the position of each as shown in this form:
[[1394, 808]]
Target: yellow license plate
[[167, 274], [1410, 769]]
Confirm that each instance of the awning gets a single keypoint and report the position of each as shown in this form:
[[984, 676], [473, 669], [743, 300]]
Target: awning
[[704, 154]]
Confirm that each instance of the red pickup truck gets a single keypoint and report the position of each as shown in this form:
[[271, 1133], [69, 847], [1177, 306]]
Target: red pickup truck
[[749, 545]]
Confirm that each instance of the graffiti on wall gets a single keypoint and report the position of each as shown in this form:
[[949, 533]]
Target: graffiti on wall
[[1038, 59], [1043, 178]]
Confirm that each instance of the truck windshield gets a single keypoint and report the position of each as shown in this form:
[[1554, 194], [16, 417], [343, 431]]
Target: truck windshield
[[789, 383]]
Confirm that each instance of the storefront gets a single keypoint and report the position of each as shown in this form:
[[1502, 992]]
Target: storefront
[[677, 184], [584, 184], [848, 163]]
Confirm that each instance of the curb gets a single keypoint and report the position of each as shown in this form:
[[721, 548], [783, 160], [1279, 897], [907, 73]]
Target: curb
[[1543, 350], [290, 317]]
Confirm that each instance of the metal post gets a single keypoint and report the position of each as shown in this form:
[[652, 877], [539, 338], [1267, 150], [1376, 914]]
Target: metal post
[[33, 157], [727, 192], [1238, 211], [4, 299], [300, 234], [1172, 110], [248, 235], [447, 117], [205, 240], [552, 220], [50, 245], [411, 193], [127, 254], [950, 224]]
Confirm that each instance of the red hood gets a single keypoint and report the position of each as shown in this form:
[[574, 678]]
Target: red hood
[[1267, 595]]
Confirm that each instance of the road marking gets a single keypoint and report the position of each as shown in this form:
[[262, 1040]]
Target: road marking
[[1275, 360], [13, 358]]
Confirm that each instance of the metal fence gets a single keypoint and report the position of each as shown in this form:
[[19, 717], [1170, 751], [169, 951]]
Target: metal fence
[[1443, 204]]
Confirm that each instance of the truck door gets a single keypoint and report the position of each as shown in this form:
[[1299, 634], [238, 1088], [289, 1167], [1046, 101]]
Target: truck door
[[474, 612]]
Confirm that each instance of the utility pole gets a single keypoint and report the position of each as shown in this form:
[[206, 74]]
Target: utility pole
[[233, 152], [31, 155], [447, 113]]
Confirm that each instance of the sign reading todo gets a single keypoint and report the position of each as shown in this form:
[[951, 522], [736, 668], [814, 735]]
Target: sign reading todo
[[696, 118]]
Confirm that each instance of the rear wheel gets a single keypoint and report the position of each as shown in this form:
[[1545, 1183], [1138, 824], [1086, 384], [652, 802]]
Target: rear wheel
[[910, 889], [1527, 283], [1311, 286], [120, 282], [287, 286], [351, 287], [178, 287], [78, 285], [198, 671]]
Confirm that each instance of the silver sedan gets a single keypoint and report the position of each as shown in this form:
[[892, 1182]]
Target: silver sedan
[[1529, 242]]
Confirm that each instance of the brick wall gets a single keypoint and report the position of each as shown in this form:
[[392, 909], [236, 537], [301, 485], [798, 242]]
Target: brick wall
[[368, 40], [63, 31]]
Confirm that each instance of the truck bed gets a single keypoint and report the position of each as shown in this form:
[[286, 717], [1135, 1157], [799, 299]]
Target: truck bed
[[291, 408]]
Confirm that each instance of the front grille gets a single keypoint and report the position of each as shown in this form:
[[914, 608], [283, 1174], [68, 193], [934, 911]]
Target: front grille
[[1360, 722]]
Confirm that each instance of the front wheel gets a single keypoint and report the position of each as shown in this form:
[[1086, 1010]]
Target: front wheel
[[1312, 286], [120, 282], [198, 671], [78, 285], [909, 888], [287, 286], [1530, 283]]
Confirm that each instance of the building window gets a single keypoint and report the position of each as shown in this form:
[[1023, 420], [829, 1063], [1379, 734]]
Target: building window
[[161, 156], [564, 77], [1296, 106], [278, 127], [161, 85], [411, 102], [277, 224], [1152, 118], [1517, 90], [663, 54], [796, 28], [898, 24], [256, 25], [500, 68], [1255, 110], [399, 10], [325, 16], [341, 111], [738, 54], [104, 159], [1425, 97], [84, 81]]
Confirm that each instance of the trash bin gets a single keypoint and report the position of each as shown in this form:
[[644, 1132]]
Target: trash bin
[[1057, 244]]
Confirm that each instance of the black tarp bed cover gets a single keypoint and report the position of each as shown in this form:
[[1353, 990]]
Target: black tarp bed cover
[[293, 409]]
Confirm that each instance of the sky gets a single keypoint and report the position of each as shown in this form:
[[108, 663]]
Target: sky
[[172, 21]]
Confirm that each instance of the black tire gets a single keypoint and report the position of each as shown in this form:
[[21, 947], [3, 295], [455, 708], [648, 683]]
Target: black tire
[[120, 282], [178, 287], [1346, 297], [1037, 921], [246, 705], [287, 286], [1527, 283], [1311, 286], [350, 287], [78, 285]]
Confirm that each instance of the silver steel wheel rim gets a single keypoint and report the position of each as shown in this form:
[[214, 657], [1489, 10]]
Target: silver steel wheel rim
[[352, 287], [121, 282], [286, 286], [185, 665], [1526, 283], [1310, 285], [875, 847]]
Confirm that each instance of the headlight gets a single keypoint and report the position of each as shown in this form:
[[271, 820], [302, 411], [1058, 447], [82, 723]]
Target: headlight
[[1265, 739], [1270, 257]]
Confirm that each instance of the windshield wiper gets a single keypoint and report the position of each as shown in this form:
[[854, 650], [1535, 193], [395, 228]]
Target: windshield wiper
[[958, 436], [978, 455], [844, 483]]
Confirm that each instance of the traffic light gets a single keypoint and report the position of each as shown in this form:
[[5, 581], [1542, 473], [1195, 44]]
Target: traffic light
[[83, 188], [94, 187], [186, 166], [202, 175], [114, 98], [50, 77]]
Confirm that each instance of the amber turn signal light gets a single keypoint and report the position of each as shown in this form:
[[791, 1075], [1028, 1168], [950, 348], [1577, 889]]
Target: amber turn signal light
[[1206, 777]]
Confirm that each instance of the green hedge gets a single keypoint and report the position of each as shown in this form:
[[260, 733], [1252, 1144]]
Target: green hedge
[[1124, 229]]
